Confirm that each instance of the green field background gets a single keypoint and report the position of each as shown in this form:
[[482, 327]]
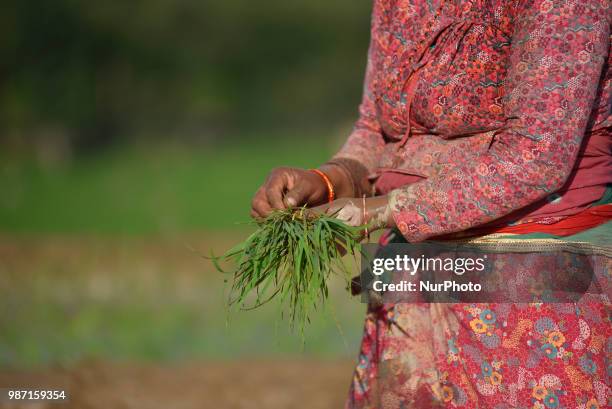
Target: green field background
[[132, 138], [156, 189], [102, 259]]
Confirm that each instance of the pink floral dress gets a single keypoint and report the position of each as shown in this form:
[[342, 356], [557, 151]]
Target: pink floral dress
[[496, 111]]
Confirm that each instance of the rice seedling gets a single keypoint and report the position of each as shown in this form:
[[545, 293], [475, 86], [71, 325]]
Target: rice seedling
[[290, 256]]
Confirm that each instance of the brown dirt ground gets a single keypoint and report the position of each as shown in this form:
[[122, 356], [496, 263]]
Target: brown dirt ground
[[255, 383], [221, 385]]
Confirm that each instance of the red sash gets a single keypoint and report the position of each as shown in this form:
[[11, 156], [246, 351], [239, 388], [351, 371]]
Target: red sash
[[586, 219]]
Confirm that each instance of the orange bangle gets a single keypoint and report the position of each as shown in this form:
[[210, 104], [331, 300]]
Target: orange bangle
[[331, 194]]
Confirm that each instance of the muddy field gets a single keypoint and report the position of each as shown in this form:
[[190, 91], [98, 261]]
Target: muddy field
[[268, 384], [141, 323]]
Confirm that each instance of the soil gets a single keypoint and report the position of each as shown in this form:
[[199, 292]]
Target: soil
[[269, 384]]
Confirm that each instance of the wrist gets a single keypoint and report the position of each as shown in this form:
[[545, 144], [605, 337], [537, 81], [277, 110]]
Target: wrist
[[340, 180], [378, 213], [329, 186]]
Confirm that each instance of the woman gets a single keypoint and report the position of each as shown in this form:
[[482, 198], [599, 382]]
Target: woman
[[478, 117]]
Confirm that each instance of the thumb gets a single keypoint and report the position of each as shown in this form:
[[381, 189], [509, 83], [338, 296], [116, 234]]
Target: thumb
[[296, 196]]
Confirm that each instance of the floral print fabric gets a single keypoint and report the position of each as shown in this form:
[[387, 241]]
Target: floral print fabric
[[493, 356], [488, 101], [488, 104], [489, 355]]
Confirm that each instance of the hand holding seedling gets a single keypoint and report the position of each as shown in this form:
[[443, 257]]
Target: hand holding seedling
[[291, 255], [306, 221], [287, 187]]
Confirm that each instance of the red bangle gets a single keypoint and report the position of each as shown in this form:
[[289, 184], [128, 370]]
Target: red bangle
[[331, 195]]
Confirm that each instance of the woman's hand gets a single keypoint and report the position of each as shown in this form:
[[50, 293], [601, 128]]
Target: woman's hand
[[290, 187], [377, 213]]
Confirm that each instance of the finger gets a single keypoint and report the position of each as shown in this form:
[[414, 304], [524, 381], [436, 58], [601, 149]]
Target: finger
[[257, 197], [330, 209], [262, 208], [313, 212], [355, 220], [259, 205], [274, 192], [296, 196], [323, 209]]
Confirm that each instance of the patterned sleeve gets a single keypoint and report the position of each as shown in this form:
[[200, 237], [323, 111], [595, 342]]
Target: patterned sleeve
[[557, 53], [365, 143]]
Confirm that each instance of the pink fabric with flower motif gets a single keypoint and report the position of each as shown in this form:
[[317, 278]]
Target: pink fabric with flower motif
[[477, 112], [507, 115]]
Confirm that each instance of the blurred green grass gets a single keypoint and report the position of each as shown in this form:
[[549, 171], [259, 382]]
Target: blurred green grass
[[147, 189], [97, 257], [69, 299]]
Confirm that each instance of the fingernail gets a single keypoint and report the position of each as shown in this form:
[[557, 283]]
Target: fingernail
[[291, 202]]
